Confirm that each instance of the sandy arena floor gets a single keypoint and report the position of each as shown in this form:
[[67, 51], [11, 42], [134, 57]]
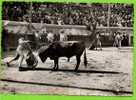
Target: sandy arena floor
[[109, 72]]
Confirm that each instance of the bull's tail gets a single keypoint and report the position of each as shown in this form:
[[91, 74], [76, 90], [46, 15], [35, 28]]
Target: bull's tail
[[35, 61], [85, 58]]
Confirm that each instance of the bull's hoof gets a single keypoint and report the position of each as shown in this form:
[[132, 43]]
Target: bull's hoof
[[33, 68], [68, 60], [76, 70], [54, 69], [21, 69]]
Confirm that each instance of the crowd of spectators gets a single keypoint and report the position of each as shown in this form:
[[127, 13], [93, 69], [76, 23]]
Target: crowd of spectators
[[14, 11], [69, 14], [121, 15]]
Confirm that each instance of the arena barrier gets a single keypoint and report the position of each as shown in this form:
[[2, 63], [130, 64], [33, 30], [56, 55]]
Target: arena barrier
[[74, 32]]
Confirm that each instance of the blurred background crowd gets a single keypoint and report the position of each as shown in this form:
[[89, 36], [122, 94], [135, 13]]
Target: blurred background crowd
[[117, 15]]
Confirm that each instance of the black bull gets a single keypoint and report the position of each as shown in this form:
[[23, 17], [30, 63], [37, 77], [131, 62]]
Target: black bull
[[63, 49]]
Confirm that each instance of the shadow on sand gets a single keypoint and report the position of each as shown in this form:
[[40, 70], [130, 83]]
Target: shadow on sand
[[68, 70]]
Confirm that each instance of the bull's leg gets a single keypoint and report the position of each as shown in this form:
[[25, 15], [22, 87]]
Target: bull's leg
[[68, 59], [15, 58], [56, 66], [78, 62]]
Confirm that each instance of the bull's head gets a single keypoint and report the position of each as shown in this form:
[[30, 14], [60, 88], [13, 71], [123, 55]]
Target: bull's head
[[43, 53]]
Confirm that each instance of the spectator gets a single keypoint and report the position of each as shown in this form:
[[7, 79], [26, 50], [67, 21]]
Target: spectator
[[118, 39], [63, 36], [50, 37], [98, 42], [59, 21]]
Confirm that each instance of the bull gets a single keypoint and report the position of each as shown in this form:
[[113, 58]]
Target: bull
[[63, 49]]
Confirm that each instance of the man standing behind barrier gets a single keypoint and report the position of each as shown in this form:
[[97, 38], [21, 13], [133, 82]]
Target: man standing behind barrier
[[118, 39], [50, 37], [63, 36], [98, 41]]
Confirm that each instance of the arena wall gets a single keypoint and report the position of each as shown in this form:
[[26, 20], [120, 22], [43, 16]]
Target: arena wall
[[74, 32]]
